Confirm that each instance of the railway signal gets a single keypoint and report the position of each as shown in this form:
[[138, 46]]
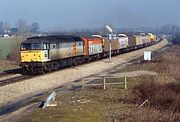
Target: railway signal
[[111, 36]]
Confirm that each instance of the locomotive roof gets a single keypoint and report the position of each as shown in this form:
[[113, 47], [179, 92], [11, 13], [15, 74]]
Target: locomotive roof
[[46, 39]]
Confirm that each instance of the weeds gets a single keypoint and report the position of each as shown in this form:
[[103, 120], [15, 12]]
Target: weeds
[[15, 50], [162, 97], [149, 115]]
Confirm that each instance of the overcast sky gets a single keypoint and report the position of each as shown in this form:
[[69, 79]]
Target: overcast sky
[[71, 14]]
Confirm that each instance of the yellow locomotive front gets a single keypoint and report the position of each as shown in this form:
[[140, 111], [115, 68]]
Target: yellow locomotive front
[[32, 53], [33, 56]]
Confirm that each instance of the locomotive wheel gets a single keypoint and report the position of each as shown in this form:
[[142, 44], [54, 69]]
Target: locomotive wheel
[[56, 66], [80, 61], [41, 70], [75, 62]]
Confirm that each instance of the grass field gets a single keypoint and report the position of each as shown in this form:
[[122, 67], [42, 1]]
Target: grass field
[[117, 104], [5, 47], [10, 52], [112, 104]]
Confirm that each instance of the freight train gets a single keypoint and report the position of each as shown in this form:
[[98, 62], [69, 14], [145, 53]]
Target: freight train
[[48, 53]]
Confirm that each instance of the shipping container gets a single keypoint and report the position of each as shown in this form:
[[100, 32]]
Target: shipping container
[[144, 38], [139, 39], [123, 41], [93, 45], [132, 40], [114, 44], [151, 37], [155, 37]]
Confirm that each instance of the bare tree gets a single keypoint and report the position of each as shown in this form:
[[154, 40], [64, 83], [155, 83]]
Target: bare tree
[[6, 27], [1, 27], [22, 26], [34, 28], [170, 29]]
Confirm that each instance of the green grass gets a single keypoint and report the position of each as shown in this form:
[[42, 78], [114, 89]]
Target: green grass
[[5, 47], [10, 52]]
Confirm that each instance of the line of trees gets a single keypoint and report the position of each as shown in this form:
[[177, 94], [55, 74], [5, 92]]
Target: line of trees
[[169, 29], [21, 27], [176, 39]]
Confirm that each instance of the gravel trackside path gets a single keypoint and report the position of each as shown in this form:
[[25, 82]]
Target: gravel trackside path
[[31, 87]]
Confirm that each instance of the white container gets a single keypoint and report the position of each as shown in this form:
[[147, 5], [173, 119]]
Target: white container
[[147, 55]]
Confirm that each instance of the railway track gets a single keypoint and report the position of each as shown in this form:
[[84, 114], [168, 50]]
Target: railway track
[[11, 76], [13, 80], [10, 72]]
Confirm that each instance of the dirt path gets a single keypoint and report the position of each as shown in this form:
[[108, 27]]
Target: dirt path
[[34, 86]]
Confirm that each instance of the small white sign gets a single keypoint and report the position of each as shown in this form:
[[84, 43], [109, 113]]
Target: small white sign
[[112, 36], [147, 55]]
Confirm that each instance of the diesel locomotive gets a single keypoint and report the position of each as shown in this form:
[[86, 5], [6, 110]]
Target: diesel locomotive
[[47, 53]]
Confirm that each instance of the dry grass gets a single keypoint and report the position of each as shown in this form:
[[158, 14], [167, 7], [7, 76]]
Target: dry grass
[[167, 64], [97, 105], [6, 64], [149, 115], [163, 97]]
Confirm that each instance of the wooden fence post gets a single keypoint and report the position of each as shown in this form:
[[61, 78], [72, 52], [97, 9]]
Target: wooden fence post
[[125, 82], [82, 83], [104, 82]]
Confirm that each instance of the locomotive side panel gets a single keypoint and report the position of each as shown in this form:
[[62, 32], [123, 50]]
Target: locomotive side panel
[[79, 48], [66, 49], [53, 52]]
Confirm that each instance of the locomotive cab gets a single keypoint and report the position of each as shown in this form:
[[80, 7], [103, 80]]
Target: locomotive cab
[[33, 57], [34, 52]]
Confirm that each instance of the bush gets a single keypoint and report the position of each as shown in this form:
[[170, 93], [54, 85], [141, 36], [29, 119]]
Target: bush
[[15, 50], [163, 97], [149, 115]]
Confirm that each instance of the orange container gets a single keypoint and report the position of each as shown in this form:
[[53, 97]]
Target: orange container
[[93, 45]]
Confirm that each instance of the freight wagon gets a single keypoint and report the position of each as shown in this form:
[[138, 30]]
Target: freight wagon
[[132, 41], [94, 47], [123, 40]]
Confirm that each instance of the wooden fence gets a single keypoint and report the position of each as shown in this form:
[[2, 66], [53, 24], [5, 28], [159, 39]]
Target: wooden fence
[[103, 83]]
